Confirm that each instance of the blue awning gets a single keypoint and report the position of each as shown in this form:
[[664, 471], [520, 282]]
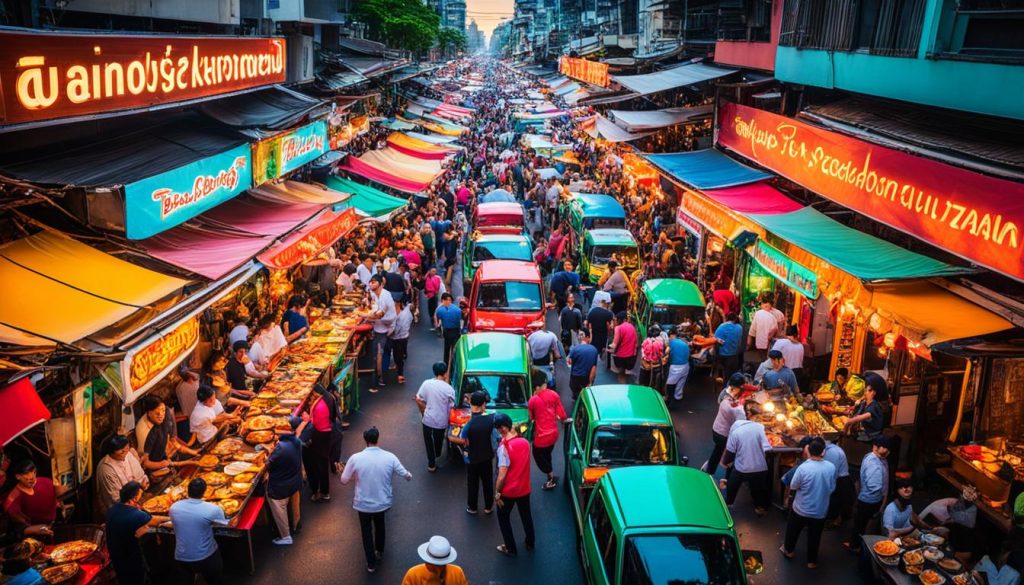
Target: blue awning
[[706, 169]]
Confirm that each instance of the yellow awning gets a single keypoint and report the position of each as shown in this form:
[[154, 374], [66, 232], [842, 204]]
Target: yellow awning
[[62, 290], [931, 314]]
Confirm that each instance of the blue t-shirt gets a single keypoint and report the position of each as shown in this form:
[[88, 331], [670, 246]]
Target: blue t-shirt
[[814, 482], [773, 379], [193, 529], [122, 545], [584, 357], [450, 316], [678, 352], [731, 335], [895, 519], [562, 280], [836, 456], [295, 321]]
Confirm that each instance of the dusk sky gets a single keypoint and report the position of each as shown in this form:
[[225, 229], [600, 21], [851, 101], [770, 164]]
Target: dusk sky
[[488, 13]]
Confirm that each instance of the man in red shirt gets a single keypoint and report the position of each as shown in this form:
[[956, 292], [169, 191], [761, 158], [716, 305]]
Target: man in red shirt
[[546, 412], [512, 488]]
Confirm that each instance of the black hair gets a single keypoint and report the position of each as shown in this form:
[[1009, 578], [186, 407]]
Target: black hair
[[196, 488], [130, 490], [440, 368], [371, 436], [538, 377], [151, 403], [816, 446], [378, 278], [446, 296], [240, 345], [296, 302], [204, 393], [478, 398], [115, 443], [843, 372], [732, 317], [267, 321]]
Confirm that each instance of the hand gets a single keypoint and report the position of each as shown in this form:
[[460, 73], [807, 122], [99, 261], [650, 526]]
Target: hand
[[39, 530], [498, 500]]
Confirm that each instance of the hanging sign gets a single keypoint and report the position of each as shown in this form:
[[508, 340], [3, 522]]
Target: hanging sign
[[969, 214], [592, 72], [719, 221], [44, 75], [144, 366], [274, 157], [161, 202], [307, 244], [691, 225], [801, 279]]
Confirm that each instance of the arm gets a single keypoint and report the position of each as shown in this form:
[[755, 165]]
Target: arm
[[593, 374], [401, 471], [422, 404], [348, 471]]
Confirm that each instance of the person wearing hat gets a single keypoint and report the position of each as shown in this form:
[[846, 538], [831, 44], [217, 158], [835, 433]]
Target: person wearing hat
[[284, 478], [512, 487], [874, 486], [730, 410], [437, 568], [778, 375]]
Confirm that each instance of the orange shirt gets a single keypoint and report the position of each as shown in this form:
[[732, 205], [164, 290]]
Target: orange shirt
[[421, 575]]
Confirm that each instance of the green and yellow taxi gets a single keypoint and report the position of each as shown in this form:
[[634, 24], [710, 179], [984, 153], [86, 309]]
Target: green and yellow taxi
[[601, 245], [587, 211], [661, 525], [482, 247], [665, 302], [615, 425], [499, 365]]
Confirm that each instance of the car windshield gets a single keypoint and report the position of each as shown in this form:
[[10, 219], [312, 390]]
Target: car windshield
[[670, 559], [501, 390], [604, 222], [665, 315], [631, 445], [509, 296], [625, 255], [502, 251]]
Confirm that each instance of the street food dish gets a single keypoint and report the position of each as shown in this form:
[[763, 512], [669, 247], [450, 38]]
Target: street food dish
[[931, 577], [227, 446], [258, 437], [246, 456], [950, 565], [886, 548], [236, 467], [910, 541], [913, 558], [230, 506], [223, 493], [245, 477], [158, 504], [963, 579], [74, 550], [932, 554], [932, 539], [240, 488], [208, 461], [215, 478], [261, 423], [60, 573]]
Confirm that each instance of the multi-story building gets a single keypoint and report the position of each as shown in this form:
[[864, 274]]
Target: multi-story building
[[453, 14]]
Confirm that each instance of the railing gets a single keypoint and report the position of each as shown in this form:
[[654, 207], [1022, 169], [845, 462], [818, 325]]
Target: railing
[[890, 27], [745, 20]]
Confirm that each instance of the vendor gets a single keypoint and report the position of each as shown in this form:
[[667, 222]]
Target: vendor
[[119, 466], [777, 375], [868, 411], [208, 415], [156, 436], [31, 500], [899, 518], [239, 368], [839, 382], [295, 323], [960, 515]]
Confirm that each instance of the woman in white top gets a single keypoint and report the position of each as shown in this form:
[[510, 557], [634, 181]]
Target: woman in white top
[[270, 338]]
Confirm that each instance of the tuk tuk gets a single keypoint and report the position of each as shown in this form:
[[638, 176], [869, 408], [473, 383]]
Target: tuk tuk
[[483, 247], [506, 295], [500, 217], [586, 211], [665, 302], [599, 246]]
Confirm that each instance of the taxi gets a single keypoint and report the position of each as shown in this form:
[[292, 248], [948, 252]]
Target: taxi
[[600, 245], [483, 247], [586, 211], [498, 364], [499, 217], [506, 295], [665, 302], [615, 425], [662, 524]]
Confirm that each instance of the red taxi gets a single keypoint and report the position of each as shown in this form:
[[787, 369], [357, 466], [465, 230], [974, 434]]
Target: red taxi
[[507, 295], [500, 217]]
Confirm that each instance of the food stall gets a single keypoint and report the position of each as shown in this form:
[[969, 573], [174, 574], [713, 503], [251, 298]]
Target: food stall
[[918, 558]]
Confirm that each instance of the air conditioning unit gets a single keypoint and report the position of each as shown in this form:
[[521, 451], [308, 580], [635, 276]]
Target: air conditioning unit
[[301, 58]]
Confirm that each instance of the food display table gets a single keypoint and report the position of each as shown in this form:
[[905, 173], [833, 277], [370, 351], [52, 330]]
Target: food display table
[[895, 570]]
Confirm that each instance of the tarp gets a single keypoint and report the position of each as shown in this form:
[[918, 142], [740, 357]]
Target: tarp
[[393, 169], [539, 143], [308, 241], [754, 198], [62, 290], [548, 173], [366, 199], [607, 130], [275, 108], [567, 89], [706, 169], [399, 125], [419, 148], [671, 78], [432, 138], [541, 116], [22, 408], [206, 252], [296, 192], [861, 255], [932, 313], [257, 217], [652, 120]]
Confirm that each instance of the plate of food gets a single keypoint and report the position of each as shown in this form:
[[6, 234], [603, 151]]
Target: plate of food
[[913, 559], [261, 423], [223, 493], [208, 461], [910, 541], [950, 565], [259, 437], [932, 554], [932, 539], [241, 488], [963, 579], [61, 573], [215, 478], [227, 446], [230, 506], [246, 456], [886, 548], [158, 504], [931, 577], [74, 550], [245, 477], [236, 467]]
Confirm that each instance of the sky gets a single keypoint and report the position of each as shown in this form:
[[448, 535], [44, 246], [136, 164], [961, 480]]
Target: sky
[[488, 13]]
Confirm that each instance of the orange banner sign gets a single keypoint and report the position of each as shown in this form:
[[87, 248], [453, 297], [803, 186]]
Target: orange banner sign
[[143, 367], [306, 245], [591, 72], [45, 75], [975, 216]]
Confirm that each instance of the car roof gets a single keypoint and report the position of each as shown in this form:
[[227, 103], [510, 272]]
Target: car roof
[[673, 291], [498, 207], [660, 496], [485, 238], [626, 403], [598, 204], [491, 351], [508, 270], [610, 236]]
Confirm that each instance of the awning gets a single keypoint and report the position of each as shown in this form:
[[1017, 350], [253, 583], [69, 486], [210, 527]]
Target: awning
[[607, 130], [417, 148], [613, 97], [394, 169], [275, 108], [254, 216], [542, 115], [540, 143], [22, 408], [652, 120], [432, 138], [365, 199], [548, 173], [61, 290], [760, 198], [706, 169], [399, 125], [932, 314], [296, 192], [683, 75], [310, 240], [566, 89]]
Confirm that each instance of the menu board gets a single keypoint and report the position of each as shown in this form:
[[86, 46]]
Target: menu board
[[848, 346]]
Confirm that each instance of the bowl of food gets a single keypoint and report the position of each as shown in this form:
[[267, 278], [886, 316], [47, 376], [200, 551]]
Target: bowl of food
[[886, 548], [913, 562], [963, 579], [932, 554], [932, 539], [910, 542], [61, 573], [931, 577], [208, 461], [74, 550], [259, 437], [950, 565]]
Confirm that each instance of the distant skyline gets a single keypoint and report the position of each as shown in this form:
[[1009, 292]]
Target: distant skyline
[[488, 13]]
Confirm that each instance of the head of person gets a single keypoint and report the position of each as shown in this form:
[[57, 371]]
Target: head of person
[[567, 266], [440, 370], [446, 299], [196, 488], [612, 265], [206, 395], [766, 304], [584, 335], [293, 423], [436, 553], [875, 387], [296, 303], [154, 409], [654, 331], [880, 446], [266, 323], [376, 282], [366, 260], [816, 447], [792, 331], [620, 317], [478, 401], [732, 318], [239, 348], [969, 494], [539, 378], [736, 383], [118, 447], [842, 376], [25, 473], [503, 423], [904, 490], [570, 298], [775, 356], [371, 436], [673, 332], [130, 492]]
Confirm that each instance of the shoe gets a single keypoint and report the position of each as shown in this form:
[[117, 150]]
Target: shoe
[[760, 511], [373, 389], [381, 383], [488, 510], [325, 498], [401, 379], [788, 555], [315, 497], [551, 483], [283, 541], [503, 550], [370, 569], [431, 468], [471, 511]]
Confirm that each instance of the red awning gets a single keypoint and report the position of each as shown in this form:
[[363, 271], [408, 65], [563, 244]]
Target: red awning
[[22, 408], [311, 239], [759, 198], [356, 166]]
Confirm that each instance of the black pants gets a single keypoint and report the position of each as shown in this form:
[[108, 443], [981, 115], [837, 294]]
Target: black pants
[[433, 439], [841, 501], [319, 470], [371, 524], [431, 309], [730, 365], [400, 349], [861, 518], [480, 475], [450, 337], [211, 568], [577, 384], [542, 456], [795, 525], [760, 487], [716, 452], [567, 339], [505, 521]]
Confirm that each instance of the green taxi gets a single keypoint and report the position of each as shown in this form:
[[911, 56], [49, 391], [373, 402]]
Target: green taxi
[[586, 211], [661, 525], [601, 245], [665, 302], [615, 425], [498, 364], [483, 247]]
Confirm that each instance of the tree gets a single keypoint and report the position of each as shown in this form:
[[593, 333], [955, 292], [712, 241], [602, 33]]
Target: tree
[[451, 38], [404, 24]]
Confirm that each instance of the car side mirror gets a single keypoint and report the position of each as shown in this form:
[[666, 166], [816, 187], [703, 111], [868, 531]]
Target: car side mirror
[[753, 562]]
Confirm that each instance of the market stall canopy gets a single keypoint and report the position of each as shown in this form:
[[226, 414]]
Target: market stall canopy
[[548, 173], [706, 169], [297, 192], [432, 138], [607, 130], [275, 108], [754, 198], [681, 76], [22, 408], [209, 253], [309, 240], [653, 120], [399, 124], [61, 290], [916, 306], [254, 216], [541, 116], [365, 199], [393, 169], [539, 143], [417, 148]]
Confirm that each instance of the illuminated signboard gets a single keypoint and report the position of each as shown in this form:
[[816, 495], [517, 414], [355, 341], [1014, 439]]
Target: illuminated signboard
[[158, 203], [782, 267], [975, 216], [45, 75], [282, 154], [148, 364], [591, 72], [305, 247]]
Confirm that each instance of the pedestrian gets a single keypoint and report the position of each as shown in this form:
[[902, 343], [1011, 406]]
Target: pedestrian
[[543, 346], [324, 417], [678, 363], [874, 486], [195, 549], [729, 336], [810, 489], [562, 282], [437, 568], [546, 412], [435, 398], [477, 440], [433, 288], [599, 322], [512, 487], [730, 410], [842, 498], [652, 357], [616, 283], [448, 318], [763, 329], [400, 338], [582, 361], [383, 317], [126, 523], [284, 479], [623, 347], [744, 458], [570, 318], [373, 469]]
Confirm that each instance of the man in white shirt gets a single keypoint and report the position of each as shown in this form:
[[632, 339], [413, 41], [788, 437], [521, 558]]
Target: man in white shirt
[[366, 269], [373, 469], [399, 338], [208, 414], [543, 345], [744, 457], [240, 332], [763, 328], [793, 352], [383, 318], [435, 398]]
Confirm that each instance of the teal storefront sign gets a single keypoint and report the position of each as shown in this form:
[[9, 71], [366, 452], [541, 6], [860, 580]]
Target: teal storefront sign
[[158, 203], [782, 267], [303, 145]]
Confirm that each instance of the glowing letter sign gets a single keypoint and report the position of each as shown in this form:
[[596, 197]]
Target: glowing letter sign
[[591, 72]]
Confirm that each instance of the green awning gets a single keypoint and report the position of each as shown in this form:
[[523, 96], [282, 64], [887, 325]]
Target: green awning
[[372, 202], [861, 255]]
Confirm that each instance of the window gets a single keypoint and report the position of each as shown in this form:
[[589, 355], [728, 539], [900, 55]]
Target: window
[[626, 256], [882, 27], [666, 315], [502, 251], [631, 445], [501, 390], [509, 296], [697, 559], [745, 20], [604, 535], [603, 222]]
